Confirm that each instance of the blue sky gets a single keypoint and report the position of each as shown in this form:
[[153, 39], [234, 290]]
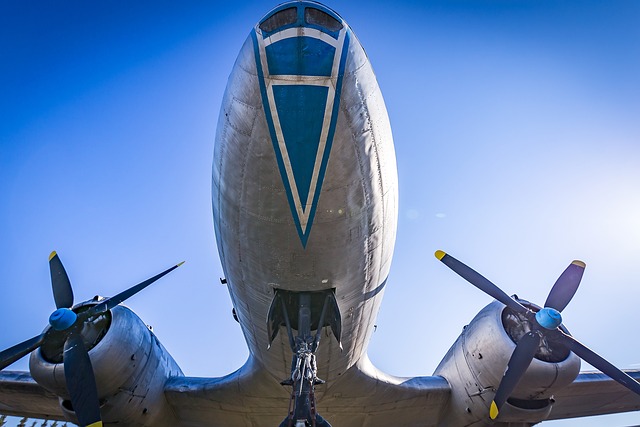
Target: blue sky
[[516, 130]]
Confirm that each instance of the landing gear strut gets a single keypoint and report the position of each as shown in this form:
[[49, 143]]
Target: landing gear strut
[[302, 405]]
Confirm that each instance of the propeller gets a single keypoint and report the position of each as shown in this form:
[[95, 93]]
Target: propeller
[[78, 372], [545, 325]]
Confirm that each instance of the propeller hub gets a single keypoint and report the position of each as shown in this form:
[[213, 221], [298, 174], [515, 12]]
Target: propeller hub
[[62, 319], [549, 318]]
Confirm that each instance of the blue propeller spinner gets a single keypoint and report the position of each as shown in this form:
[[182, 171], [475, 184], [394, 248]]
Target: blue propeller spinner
[[62, 319], [549, 318]]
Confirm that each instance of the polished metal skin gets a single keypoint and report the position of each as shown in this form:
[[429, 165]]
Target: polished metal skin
[[305, 199]]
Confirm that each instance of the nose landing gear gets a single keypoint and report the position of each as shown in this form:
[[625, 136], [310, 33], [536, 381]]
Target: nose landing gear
[[302, 404]]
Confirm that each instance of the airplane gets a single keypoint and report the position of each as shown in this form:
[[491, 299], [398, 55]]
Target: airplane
[[380, 397]]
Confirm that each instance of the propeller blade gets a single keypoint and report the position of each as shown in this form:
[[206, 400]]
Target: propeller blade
[[479, 281], [18, 351], [109, 303], [600, 363], [518, 364], [62, 292], [81, 382], [566, 286]]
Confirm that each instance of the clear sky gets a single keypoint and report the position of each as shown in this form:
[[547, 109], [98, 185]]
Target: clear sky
[[517, 132]]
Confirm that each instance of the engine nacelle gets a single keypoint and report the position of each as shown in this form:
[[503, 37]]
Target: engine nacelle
[[129, 363], [476, 362]]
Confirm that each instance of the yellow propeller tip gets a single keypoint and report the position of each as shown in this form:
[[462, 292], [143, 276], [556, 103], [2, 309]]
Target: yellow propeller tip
[[579, 263], [181, 263], [493, 411], [440, 254], [52, 255]]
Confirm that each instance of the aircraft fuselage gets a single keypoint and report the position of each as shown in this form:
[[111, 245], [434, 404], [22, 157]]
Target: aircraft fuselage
[[304, 181]]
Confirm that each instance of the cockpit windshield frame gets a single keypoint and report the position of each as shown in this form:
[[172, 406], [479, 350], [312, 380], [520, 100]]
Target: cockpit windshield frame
[[282, 18]]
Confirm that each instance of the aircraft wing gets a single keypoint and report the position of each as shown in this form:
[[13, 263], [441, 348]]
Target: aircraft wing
[[594, 393], [21, 396], [246, 397], [364, 397]]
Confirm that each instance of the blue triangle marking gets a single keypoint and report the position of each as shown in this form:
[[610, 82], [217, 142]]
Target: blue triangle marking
[[301, 114], [300, 156]]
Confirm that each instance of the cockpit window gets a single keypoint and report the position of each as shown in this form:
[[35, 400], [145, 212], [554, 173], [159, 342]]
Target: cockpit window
[[317, 17], [280, 19]]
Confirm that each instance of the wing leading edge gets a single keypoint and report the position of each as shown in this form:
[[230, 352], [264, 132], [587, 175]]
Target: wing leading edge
[[594, 393], [21, 396]]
